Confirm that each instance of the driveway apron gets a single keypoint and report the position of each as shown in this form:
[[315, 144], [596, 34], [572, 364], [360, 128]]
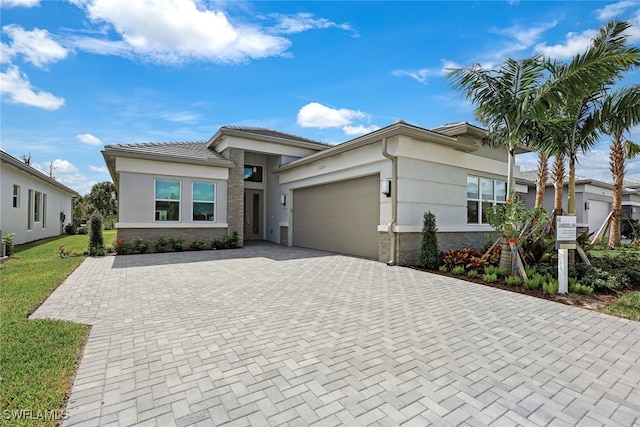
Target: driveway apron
[[269, 335]]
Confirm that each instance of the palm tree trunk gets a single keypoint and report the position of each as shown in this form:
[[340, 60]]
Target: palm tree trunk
[[510, 167], [541, 182], [557, 175], [616, 162], [571, 200]]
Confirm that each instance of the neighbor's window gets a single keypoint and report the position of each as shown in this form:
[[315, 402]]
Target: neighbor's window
[[482, 193], [30, 210], [167, 198], [253, 173], [37, 206], [44, 211], [204, 199], [16, 196]]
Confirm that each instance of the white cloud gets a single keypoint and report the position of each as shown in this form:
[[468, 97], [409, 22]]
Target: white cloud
[[291, 24], [19, 3], [315, 115], [87, 138], [36, 46], [418, 75], [179, 116], [98, 169], [16, 88], [65, 172], [575, 43], [610, 11], [359, 130], [175, 31], [524, 37]]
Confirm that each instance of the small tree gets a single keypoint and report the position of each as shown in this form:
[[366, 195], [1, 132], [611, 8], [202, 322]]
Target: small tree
[[96, 241], [429, 253]]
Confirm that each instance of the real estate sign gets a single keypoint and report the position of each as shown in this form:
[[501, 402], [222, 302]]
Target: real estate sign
[[566, 232]]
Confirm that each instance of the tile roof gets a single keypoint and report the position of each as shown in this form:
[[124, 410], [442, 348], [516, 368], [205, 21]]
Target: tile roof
[[274, 134], [196, 150]]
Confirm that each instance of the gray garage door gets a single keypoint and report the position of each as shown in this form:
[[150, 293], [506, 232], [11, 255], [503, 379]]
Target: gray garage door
[[340, 217]]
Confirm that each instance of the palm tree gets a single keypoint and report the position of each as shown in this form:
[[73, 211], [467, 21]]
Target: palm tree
[[541, 179], [557, 175], [502, 99], [620, 112], [579, 89]]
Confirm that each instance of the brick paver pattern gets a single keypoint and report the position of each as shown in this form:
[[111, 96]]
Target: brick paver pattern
[[269, 335]]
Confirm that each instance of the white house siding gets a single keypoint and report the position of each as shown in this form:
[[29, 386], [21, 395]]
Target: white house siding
[[15, 220]]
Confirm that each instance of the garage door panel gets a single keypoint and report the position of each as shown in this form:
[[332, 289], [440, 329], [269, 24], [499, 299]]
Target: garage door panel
[[340, 217]]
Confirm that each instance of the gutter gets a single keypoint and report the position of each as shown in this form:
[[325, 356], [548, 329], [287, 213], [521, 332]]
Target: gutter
[[394, 201]]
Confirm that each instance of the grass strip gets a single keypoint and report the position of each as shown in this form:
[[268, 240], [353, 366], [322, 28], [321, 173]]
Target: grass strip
[[626, 306], [37, 357]]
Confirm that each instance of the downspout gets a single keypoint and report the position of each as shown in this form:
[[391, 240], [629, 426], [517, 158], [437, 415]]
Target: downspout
[[394, 202]]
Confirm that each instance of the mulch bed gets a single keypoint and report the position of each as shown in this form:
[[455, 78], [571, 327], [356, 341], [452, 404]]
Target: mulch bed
[[595, 302]]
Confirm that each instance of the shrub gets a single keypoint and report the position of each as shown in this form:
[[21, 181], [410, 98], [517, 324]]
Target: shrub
[[513, 280], [601, 279], [490, 277], [8, 241], [492, 269], [469, 258], [533, 281], [577, 288], [176, 243], [140, 246], [551, 287], [160, 245], [198, 245], [122, 247], [457, 270], [429, 253], [83, 230], [472, 274], [71, 229], [227, 242], [443, 268], [96, 241]]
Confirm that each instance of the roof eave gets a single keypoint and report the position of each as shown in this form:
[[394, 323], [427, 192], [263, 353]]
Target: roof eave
[[110, 151], [213, 141], [6, 157], [398, 128]]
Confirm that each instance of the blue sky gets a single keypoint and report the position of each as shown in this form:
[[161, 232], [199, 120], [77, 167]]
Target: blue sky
[[80, 74]]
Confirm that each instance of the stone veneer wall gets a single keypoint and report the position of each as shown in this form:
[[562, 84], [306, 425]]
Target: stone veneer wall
[[284, 236], [235, 193], [150, 235], [408, 244]]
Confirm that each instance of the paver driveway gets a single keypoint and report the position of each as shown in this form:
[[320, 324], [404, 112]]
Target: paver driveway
[[268, 335]]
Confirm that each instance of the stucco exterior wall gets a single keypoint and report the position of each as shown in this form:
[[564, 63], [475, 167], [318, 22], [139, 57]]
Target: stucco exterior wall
[[138, 207], [15, 220]]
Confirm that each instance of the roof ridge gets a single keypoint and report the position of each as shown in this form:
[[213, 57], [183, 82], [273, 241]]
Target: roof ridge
[[260, 128]]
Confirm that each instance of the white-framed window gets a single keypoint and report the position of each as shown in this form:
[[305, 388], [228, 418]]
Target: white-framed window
[[167, 199], [482, 193], [16, 196], [204, 201]]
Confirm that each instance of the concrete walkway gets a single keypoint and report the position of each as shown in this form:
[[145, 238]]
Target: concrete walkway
[[269, 335]]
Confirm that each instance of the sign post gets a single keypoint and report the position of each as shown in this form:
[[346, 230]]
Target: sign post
[[566, 235]]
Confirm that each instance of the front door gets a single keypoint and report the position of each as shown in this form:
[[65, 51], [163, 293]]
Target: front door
[[253, 215]]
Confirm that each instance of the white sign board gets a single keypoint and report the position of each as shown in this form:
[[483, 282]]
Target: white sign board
[[566, 229]]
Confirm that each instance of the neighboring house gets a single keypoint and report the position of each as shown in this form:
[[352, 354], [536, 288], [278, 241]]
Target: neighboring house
[[364, 197], [593, 198], [34, 206]]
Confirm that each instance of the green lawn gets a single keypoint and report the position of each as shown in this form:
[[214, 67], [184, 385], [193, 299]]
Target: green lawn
[[37, 357], [626, 306]]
